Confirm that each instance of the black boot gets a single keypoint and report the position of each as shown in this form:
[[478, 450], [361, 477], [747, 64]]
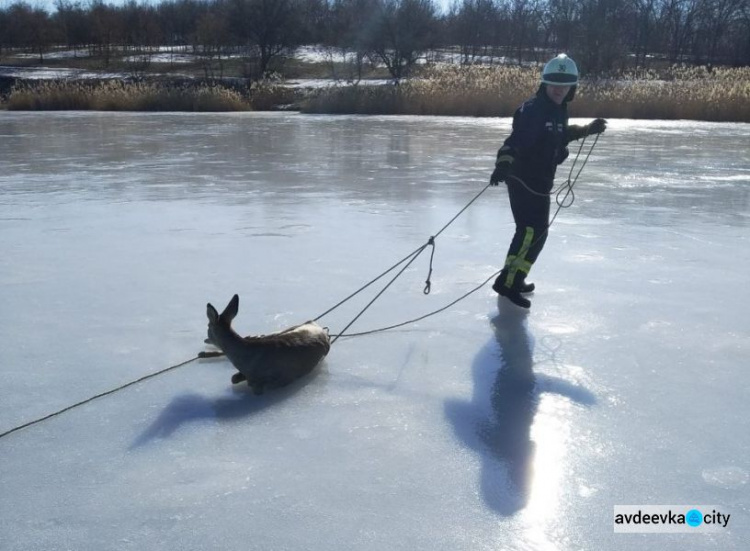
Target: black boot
[[238, 378], [515, 297], [511, 294], [526, 287]]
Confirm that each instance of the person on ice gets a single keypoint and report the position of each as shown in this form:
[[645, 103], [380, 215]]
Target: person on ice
[[527, 162]]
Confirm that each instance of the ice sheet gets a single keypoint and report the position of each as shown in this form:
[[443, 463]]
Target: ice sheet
[[480, 428]]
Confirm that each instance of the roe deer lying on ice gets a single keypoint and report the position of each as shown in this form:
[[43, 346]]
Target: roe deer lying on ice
[[267, 361]]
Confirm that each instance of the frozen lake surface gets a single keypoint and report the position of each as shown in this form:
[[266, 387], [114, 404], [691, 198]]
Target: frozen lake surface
[[480, 428]]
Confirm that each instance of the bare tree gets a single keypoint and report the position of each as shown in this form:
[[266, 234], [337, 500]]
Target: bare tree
[[604, 35], [30, 28], [270, 27], [351, 26], [677, 18], [178, 20], [106, 29], [523, 23], [402, 33], [473, 23], [4, 31], [73, 24], [211, 37], [742, 36], [601, 43], [718, 18], [563, 17], [642, 30]]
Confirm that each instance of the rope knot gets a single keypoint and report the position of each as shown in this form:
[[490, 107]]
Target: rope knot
[[428, 283]]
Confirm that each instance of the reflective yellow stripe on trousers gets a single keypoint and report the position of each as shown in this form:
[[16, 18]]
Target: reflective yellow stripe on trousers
[[516, 263]]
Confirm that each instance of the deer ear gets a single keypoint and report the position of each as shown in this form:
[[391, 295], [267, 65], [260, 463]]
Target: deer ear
[[213, 315], [230, 312]]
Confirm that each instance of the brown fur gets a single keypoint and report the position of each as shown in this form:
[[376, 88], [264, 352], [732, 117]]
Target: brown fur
[[267, 361]]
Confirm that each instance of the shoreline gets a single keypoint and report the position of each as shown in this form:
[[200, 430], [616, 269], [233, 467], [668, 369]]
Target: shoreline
[[683, 93]]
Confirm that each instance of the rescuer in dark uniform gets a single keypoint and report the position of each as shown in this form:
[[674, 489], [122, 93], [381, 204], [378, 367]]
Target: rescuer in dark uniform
[[527, 162]]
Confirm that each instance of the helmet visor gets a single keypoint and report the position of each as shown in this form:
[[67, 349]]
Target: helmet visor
[[562, 79]]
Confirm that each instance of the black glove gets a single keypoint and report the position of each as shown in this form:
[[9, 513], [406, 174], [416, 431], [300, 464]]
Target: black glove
[[500, 173], [502, 165], [597, 126]]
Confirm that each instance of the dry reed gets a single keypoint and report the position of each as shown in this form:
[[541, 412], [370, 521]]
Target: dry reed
[[123, 96], [470, 91], [698, 93], [269, 95]]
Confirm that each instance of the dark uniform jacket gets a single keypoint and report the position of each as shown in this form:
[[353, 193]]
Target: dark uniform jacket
[[538, 142]]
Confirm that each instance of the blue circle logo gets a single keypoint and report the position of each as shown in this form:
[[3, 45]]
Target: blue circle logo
[[694, 517]]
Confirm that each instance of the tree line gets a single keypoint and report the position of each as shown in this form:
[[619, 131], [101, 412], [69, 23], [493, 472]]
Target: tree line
[[604, 36]]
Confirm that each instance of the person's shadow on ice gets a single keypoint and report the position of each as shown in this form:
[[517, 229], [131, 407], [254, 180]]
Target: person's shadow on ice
[[496, 422]]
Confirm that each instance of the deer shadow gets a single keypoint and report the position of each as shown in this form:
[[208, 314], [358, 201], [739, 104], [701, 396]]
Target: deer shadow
[[496, 422], [191, 408]]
